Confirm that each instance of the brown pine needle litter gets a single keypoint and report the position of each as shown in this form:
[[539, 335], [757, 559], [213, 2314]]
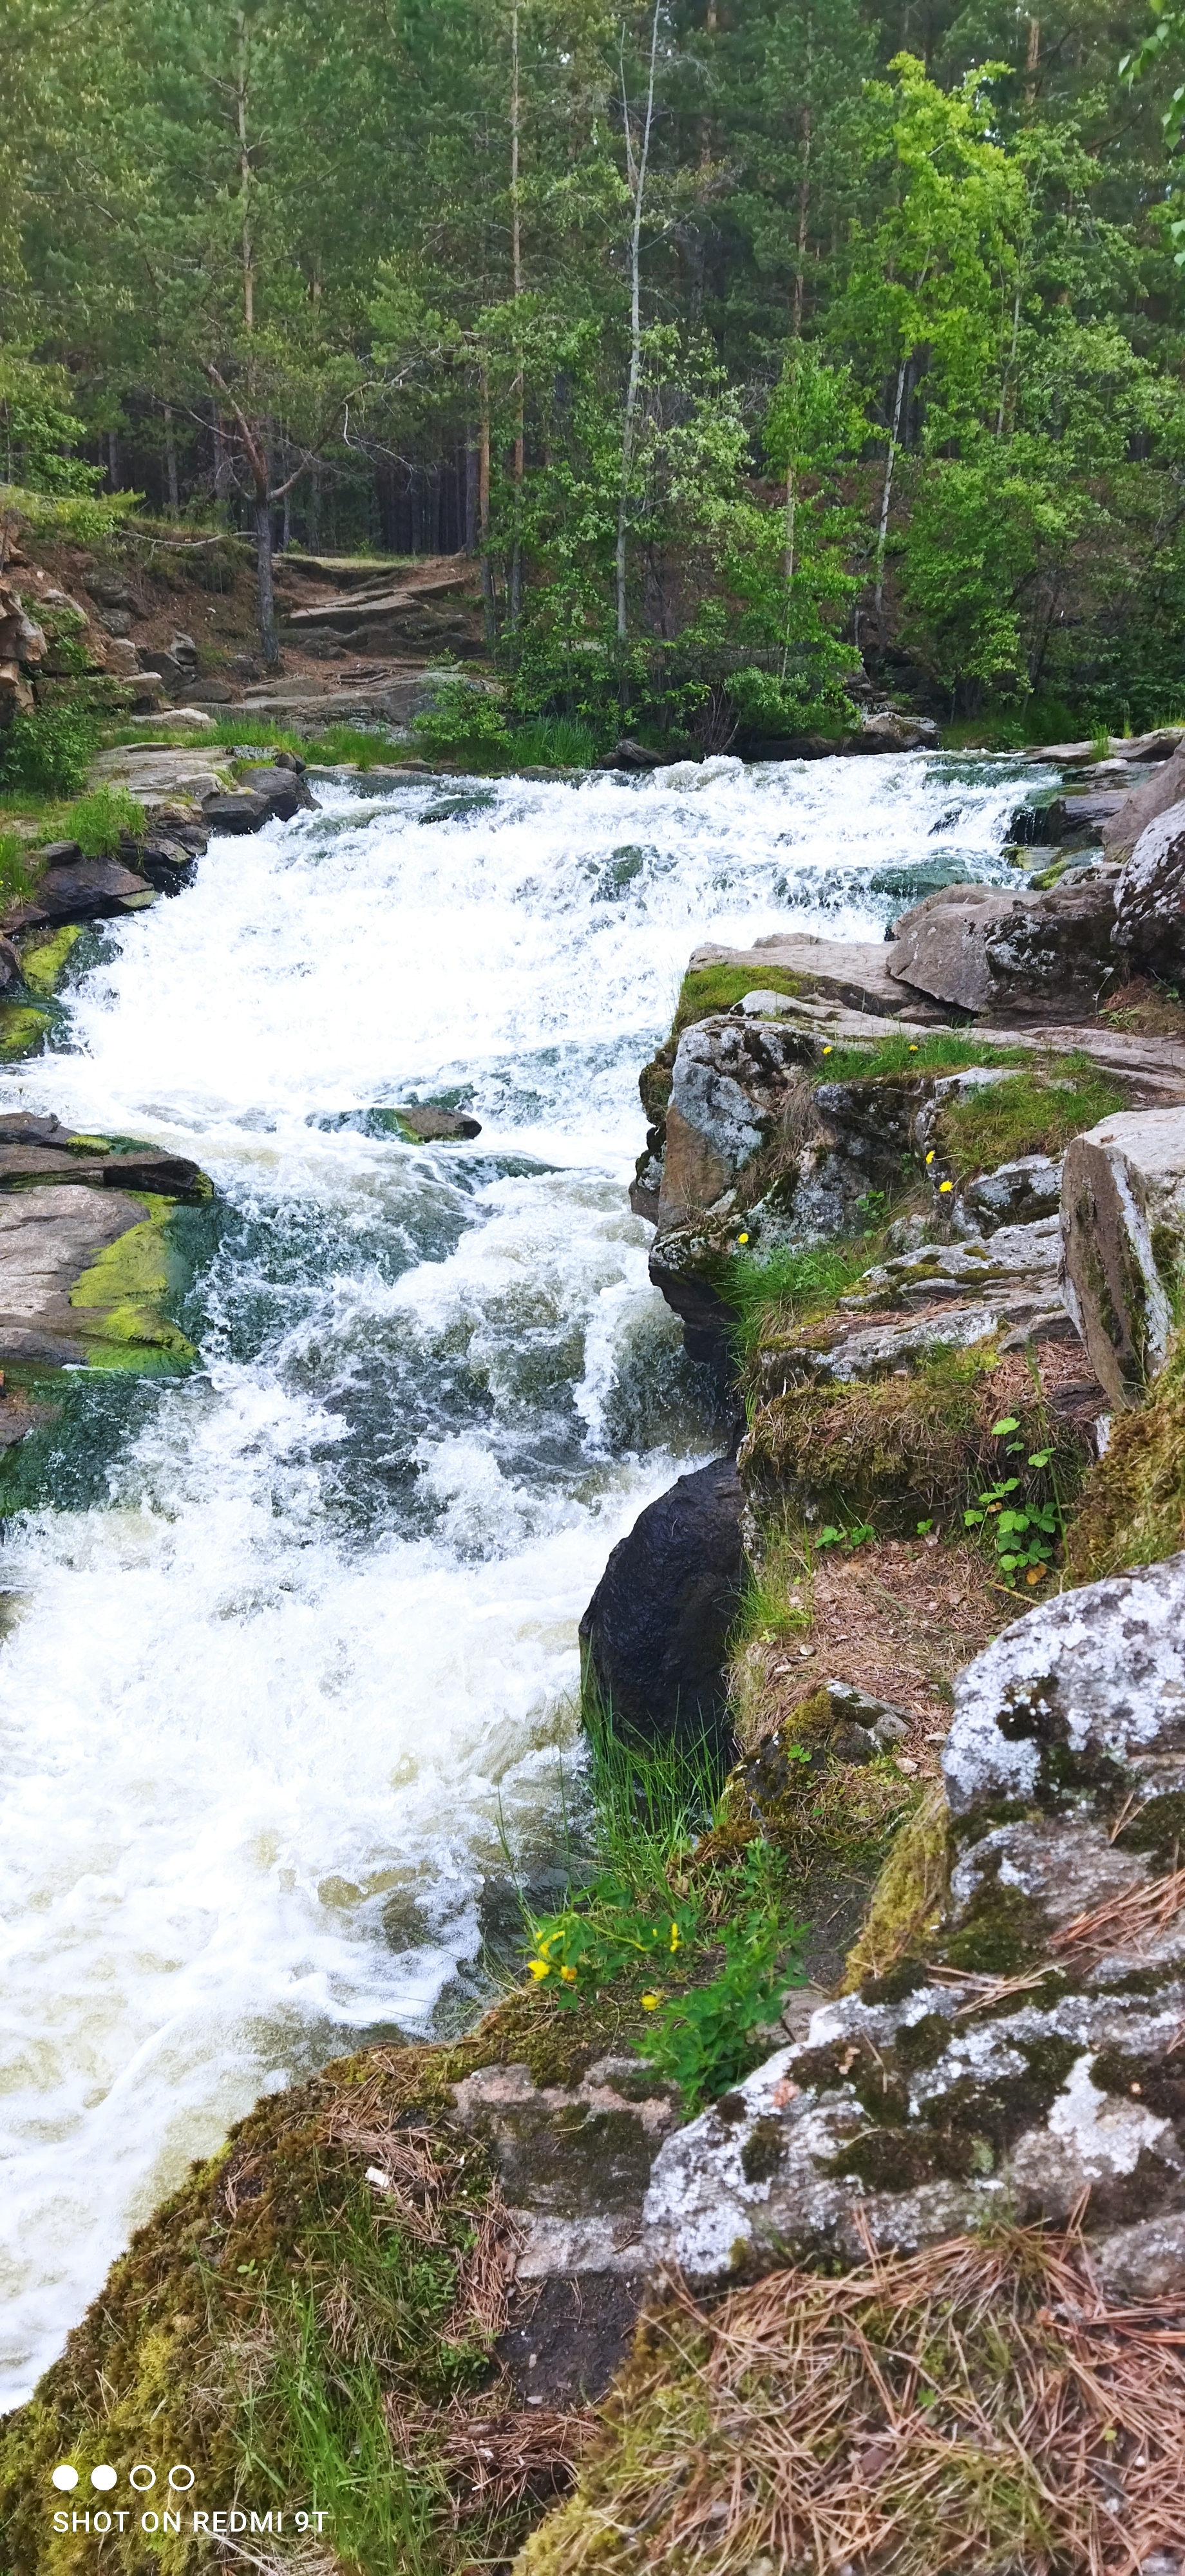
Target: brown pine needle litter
[[973, 2407]]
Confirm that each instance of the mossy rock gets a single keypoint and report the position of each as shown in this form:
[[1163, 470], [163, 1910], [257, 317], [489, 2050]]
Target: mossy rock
[[909, 1896], [44, 964], [22, 1030], [123, 1290]]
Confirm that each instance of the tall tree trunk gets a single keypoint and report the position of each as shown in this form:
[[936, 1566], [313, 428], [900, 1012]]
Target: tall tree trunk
[[264, 583], [171, 490], [638, 180], [314, 509], [472, 486], [246, 248], [516, 255], [113, 460], [221, 459], [489, 610], [883, 529], [1032, 62]]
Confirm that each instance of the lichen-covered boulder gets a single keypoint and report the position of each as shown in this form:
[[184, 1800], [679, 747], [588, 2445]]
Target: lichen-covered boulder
[[1123, 1235], [1017, 1193], [1164, 788], [1150, 897], [983, 948], [730, 1086], [1036, 2053]]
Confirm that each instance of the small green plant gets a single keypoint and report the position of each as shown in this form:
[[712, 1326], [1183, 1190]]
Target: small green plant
[[1025, 1535], [14, 873], [705, 2039], [100, 821], [578, 1951], [49, 752], [467, 725], [858, 1535], [1100, 742], [787, 1288]]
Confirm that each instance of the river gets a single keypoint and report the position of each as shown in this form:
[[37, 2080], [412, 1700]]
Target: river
[[290, 1643]]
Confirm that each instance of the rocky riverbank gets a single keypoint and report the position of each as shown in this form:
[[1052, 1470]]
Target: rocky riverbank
[[875, 2037]]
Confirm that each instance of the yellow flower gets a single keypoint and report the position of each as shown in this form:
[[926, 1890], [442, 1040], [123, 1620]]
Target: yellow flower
[[742, 1238], [674, 1936], [913, 1048], [539, 1967], [930, 1155], [568, 1975], [650, 2003], [943, 1186], [826, 1050]]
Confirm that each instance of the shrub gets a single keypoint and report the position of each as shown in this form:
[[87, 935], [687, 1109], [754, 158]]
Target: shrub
[[48, 753], [14, 873], [466, 724], [100, 821]]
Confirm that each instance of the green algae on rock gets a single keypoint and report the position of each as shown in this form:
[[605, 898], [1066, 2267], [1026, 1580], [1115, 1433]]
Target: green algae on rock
[[123, 1289]]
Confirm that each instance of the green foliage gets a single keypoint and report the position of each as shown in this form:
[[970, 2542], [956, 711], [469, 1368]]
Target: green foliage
[[466, 724], [38, 431], [706, 2039], [1031, 1113], [718, 988], [1025, 1535], [99, 821], [894, 1055], [786, 1288], [48, 753], [15, 881]]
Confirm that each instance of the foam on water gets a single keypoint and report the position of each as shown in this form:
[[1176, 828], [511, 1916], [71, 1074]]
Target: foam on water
[[295, 1650]]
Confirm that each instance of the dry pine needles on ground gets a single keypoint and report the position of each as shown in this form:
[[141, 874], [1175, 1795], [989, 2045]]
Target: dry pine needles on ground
[[973, 2407]]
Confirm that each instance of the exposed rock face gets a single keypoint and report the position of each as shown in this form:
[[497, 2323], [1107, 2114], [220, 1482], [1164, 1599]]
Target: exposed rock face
[[731, 1084], [982, 949], [1154, 796], [89, 890], [1123, 1229], [1040, 2055], [1014, 1194], [83, 1261], [653, 1635], [1150, 897]]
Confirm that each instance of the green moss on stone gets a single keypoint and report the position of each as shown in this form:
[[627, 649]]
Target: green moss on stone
[[43, 966], [22, 1029], [123, 1290]]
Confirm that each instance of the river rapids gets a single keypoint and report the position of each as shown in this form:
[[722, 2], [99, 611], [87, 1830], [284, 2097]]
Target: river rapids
[[289, 1643]]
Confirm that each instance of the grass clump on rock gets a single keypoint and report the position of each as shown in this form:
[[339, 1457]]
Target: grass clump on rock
[[969, 2406], [1132, 1510], [1034, 1112]]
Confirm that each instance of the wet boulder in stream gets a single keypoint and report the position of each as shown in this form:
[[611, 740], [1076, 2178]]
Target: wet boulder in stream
[[653, 1636]]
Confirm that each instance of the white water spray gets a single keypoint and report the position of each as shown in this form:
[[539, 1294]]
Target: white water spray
[[273, 1687]]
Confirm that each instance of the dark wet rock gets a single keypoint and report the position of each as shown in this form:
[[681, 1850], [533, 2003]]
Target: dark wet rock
[[653, 1636], [284, 789], [166, 861], [90, 890], [1150, 898], [433, 1125], [1123, 1229], [631, 755], [10, 967], [234, 810]]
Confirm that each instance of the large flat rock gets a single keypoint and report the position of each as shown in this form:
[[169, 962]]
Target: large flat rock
[[48, 1239], [855, 972]]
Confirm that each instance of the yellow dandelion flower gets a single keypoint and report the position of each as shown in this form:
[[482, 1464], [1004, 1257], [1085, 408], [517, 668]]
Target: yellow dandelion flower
[[826, 1050], [650, 2003], [913, 1048], [943, 1187], [742, 1238], [568, 1975], [674, 1936], [930, 1155], [539, 1967]]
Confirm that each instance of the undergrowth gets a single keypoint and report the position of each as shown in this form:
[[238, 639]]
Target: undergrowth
[[14, 873], [789, 1287], [968, 2406], [900, 1451], [1033, 1113], [705, 1948], [1132, 1509], [104, 817]]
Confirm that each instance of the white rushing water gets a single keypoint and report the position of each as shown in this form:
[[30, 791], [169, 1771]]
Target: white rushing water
[[294, 1642]]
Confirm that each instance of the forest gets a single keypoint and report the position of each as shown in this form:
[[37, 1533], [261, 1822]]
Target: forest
[[754, 349]]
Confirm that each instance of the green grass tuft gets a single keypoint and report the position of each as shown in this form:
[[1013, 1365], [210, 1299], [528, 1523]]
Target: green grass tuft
[[1036, 1113], [786, 1289], [101, 820]]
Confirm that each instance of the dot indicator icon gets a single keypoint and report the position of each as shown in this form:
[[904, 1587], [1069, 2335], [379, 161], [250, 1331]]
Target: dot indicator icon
[[104, 2477], [65, 2477]]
